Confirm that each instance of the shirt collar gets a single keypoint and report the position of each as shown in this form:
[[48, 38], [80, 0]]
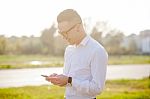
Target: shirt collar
[[84, 41]]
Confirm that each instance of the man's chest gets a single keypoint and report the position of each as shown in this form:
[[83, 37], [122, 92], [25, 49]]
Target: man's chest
[[78, 62]]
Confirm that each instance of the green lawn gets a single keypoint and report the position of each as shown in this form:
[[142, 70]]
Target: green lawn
[[115, 89], [23, 61], [129, 59]]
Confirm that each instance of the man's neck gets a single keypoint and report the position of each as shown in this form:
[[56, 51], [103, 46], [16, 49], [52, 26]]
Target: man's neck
[[80, 39]]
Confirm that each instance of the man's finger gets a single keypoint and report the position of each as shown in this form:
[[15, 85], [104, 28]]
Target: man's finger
[[55, 81], [52, 75]]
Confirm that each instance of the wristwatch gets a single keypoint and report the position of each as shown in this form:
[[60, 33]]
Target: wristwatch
[[69, 81]]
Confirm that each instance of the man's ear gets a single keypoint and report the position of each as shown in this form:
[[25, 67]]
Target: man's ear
[[78, 27]]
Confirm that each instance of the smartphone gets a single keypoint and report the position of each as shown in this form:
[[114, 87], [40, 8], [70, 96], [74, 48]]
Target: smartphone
[[44, 75]]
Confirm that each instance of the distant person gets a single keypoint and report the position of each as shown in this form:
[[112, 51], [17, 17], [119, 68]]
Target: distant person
[[85, 60]]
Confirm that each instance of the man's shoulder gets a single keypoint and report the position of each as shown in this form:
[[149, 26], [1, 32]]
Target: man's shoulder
[[96, 46]]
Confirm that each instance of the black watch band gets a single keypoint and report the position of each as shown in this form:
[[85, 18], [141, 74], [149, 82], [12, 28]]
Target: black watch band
[[70, 80]]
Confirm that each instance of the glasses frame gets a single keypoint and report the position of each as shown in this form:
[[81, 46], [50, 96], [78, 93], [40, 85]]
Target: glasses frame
[[65, 33]]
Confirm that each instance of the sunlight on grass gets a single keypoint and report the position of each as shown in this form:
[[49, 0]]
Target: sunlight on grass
[[115, 89]]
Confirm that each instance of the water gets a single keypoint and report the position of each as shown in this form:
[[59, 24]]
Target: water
[[36, 63], [24, 77]]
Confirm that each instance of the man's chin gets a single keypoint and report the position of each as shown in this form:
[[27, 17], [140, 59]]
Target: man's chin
[[71, 43]]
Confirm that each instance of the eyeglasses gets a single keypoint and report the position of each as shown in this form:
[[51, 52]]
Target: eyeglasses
[[65, 33]]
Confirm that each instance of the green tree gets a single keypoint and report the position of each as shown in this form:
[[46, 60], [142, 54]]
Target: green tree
[[59, 45], [112, 42], [2, 44], [47, 39], [96, 34]]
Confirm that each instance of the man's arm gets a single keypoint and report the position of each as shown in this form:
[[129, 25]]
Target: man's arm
[[98, 71], [90, 87]]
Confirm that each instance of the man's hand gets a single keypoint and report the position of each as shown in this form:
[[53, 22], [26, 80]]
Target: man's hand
[[56, 79], [50, 76]]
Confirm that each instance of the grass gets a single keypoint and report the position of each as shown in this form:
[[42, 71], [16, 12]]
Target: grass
[[127, 89], [129, 59], [115, 89], [22, 61]]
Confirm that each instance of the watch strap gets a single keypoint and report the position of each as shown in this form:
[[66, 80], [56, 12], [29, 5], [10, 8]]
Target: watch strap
[[70, 80]]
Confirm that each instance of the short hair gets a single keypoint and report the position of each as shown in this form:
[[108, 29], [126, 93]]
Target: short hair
[[69, 15]]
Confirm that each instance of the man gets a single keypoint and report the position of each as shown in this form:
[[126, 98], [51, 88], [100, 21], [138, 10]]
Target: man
[[85, 60]]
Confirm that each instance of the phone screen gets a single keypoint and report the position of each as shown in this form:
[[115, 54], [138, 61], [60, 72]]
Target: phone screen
[[44, 75]]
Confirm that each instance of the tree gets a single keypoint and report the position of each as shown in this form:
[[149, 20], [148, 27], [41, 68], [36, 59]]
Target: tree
[[96, 34], [2, 44], [47, 39], [100, 28], [112, 41], [132, 49], [59, 45]]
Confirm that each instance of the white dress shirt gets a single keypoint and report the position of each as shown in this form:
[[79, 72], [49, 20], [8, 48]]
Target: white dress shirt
[[87, 65]]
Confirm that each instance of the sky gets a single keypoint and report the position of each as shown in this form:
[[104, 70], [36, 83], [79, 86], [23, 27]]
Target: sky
[[30, 17]]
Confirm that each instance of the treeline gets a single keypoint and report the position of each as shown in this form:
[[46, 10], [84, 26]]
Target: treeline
[[49, 43]]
